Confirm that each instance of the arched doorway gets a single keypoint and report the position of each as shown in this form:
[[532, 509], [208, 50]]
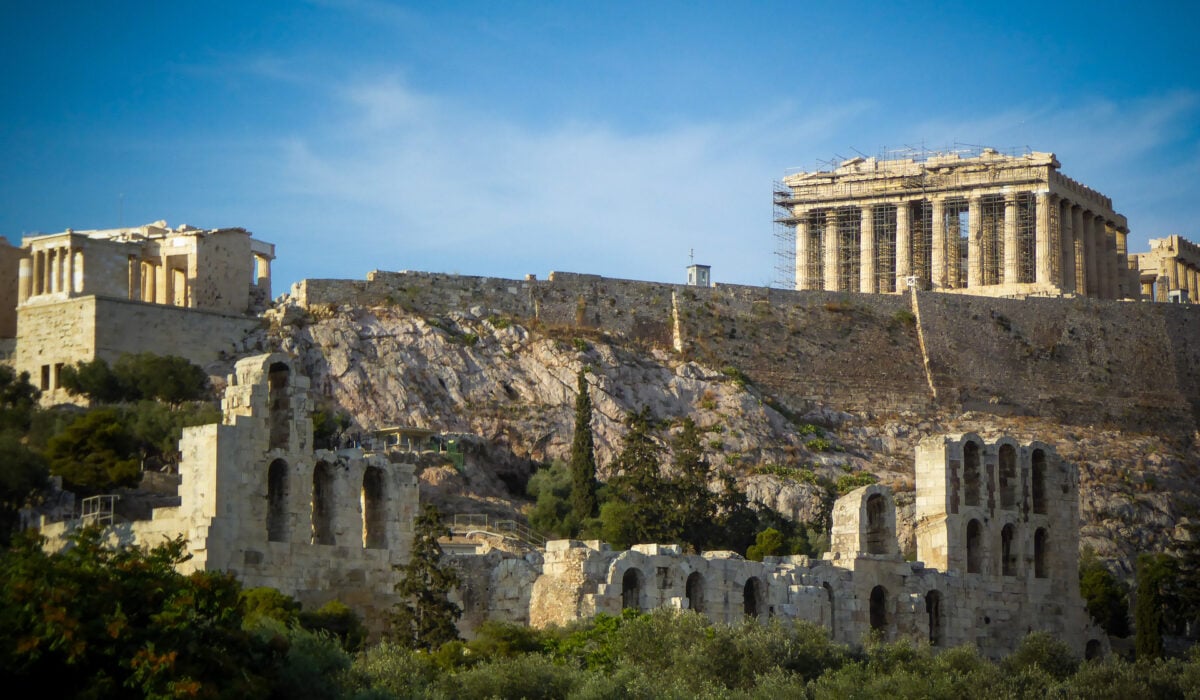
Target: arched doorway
[[1008, 553], [974, 547], [631, 589], [1039, 553], [694, 589], [1008, 476], [876, 531], [933, 608], [971, 473], [752, 597], [1039, 481], [374, 509], [879, 616], [322, 504], [279, 407], [277, 501]]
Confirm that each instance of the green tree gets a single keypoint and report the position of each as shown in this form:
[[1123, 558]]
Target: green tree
[[1154, 575], [18, 400], [693, 500], [137, 376], [768, 543], [23, 473], [96, 452], [550, 487], [1106, 597], [94, 379], [329, 424], [425, 617], [639, 509], [583, 456], [96, 621]]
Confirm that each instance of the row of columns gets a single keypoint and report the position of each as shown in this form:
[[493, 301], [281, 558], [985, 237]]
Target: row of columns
[[50, 271], [1077, 253], [1180, 275], [154, 281]]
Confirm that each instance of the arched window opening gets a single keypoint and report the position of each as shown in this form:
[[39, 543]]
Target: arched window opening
[[1008, 476], [1008, 553], [971, 474], [277, 501], [1039, 481], [374, 509], [631, 589], [694, 590], [1093, 650], [876, 532], [933, 607], [879, 616], [752, 598], [322, 504], [279, 407], [974, 547], [1039, 553]]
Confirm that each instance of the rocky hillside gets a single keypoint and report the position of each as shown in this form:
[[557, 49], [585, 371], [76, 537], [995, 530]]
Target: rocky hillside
[[510, 383]]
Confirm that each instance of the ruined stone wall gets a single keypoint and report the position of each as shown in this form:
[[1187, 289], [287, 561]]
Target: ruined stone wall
[[1077, 360], [257, 502], [54, 333], [221, 272]]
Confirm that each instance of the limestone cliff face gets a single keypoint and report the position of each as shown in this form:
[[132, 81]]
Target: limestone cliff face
[[432, 355]]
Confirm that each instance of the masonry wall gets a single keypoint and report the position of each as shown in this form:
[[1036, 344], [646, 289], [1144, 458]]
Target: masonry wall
[[1078, 360]]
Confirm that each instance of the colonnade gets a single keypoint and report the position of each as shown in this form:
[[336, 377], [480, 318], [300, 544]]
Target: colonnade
[[51, 270], [946, 242]]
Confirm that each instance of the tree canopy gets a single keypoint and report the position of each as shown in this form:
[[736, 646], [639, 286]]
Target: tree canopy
[[425, 617]]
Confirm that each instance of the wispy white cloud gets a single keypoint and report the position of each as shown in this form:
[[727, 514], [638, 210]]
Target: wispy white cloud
[[423, 182], [421, 174]]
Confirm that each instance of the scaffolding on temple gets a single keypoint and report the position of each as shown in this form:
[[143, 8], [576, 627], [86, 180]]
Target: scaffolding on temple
[[991, 239], [849, 219], [815, 264], [785, 239], [1026, 238], [885, 246]]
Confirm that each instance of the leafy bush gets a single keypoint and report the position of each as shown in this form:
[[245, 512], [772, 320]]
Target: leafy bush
[[134, 377], [848, 482]]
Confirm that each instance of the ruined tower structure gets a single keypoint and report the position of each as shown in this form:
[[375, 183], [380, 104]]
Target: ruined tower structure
[[996, 546], [256, 500], [80, 295], [988, 224]]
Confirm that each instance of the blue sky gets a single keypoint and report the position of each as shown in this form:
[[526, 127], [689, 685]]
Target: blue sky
[[505, 138]]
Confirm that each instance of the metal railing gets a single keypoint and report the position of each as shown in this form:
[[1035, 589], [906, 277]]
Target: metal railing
[[467, 524], [97, 510]]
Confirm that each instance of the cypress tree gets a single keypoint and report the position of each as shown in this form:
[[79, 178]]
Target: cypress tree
[[425, 617], [1154, 573], [583, 457]]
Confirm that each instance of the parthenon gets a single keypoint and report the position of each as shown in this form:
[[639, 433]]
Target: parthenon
[[987, 223]]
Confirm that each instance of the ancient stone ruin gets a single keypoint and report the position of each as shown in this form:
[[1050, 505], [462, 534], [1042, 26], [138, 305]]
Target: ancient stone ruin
[[993, 224], [996, 539]]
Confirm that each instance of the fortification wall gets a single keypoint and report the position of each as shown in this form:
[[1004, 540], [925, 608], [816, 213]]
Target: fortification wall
[[1077, 360]]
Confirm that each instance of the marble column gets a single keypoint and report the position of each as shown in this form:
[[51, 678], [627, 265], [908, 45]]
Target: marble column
[[802, 251], [1088, 228], [1193, 284], [1066, 222], [937, 275], [68, 270], [1046, 240], [1012, 270], [832, 251], [903, 247], [974, 249], [866, 250], [1110, 259]]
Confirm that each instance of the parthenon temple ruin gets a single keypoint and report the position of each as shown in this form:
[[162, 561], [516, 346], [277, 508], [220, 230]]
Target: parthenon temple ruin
[[988, 223]]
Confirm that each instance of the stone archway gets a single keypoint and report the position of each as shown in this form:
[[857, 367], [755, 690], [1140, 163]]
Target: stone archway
[[694, 589], [631, 589]]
